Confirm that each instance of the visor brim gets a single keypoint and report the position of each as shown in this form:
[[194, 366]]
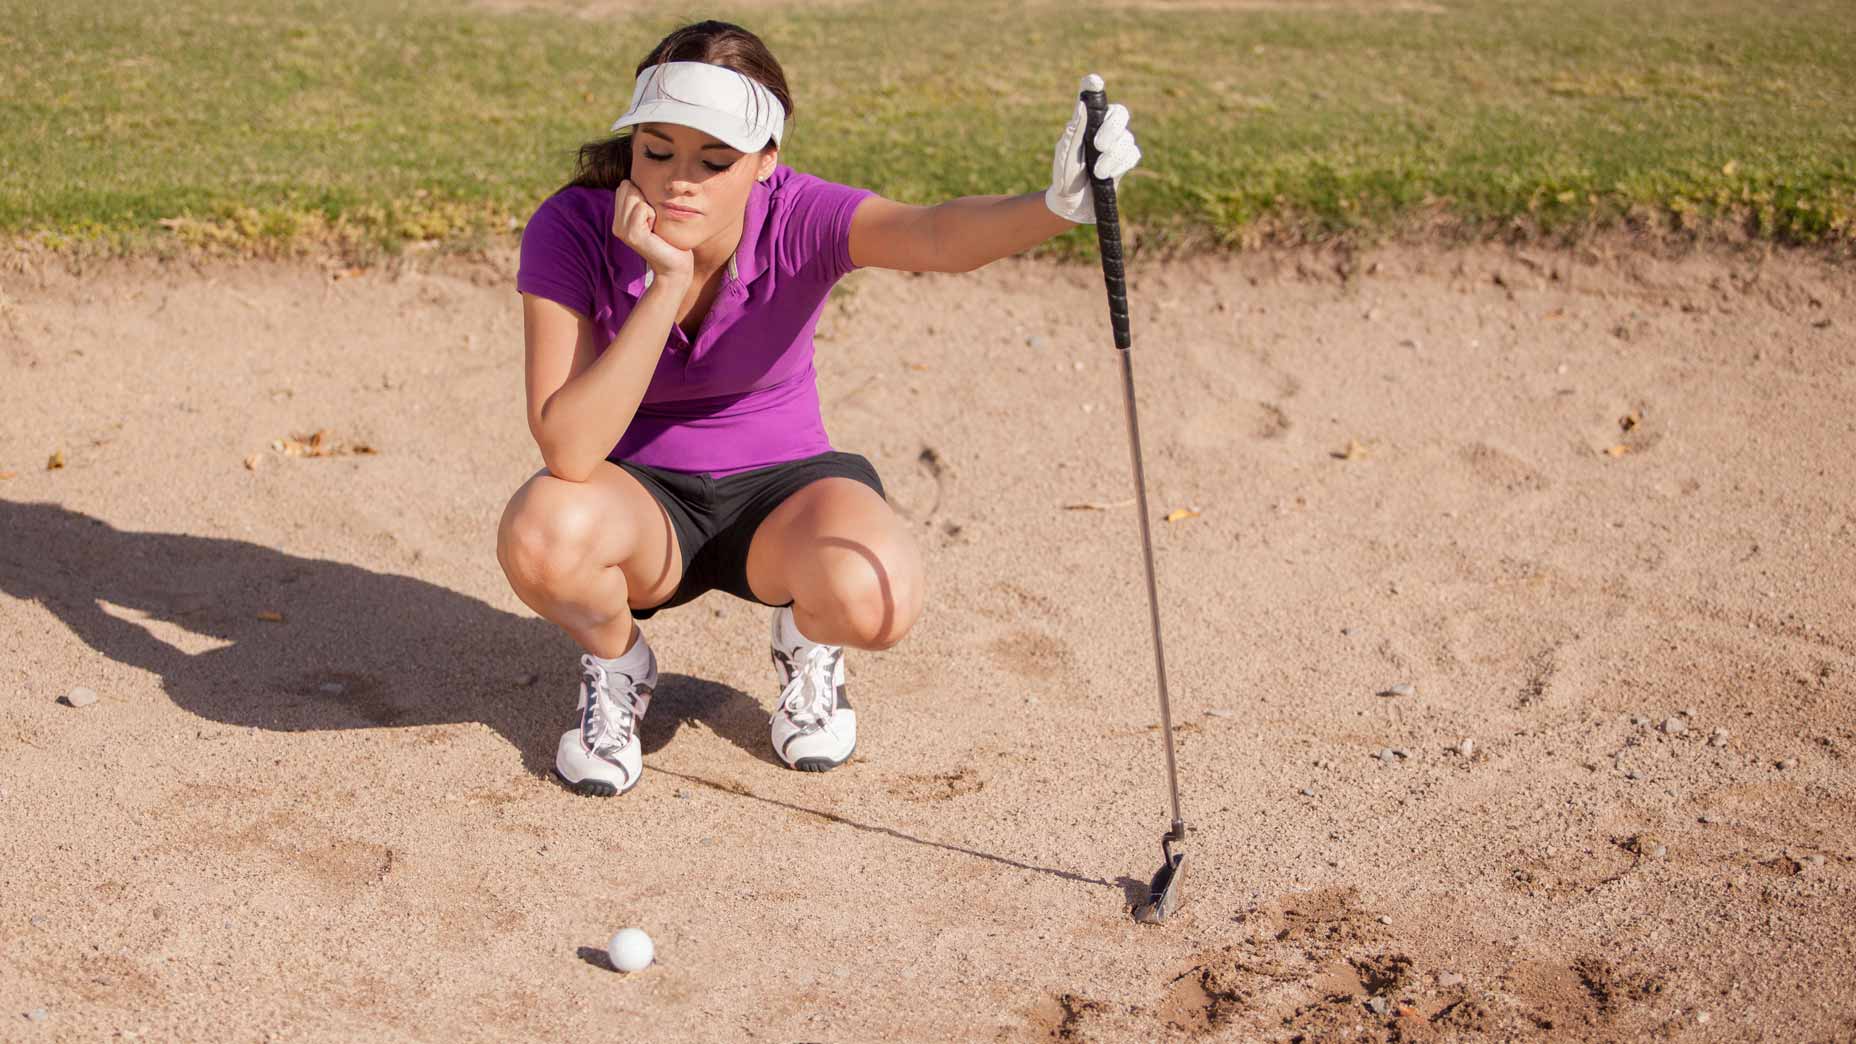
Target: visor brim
[[735, 133]]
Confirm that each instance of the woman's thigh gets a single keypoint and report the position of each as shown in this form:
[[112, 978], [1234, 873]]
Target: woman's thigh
[[836, 540], [554, 533]]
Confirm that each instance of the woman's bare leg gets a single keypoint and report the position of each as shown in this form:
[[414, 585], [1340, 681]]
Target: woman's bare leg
[[582, 554], [847, 563]]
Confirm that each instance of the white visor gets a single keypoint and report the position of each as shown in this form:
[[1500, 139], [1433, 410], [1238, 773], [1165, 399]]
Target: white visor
[[734, 108]]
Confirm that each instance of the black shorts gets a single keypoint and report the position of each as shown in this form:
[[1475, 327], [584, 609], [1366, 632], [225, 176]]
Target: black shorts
[[715, 518]]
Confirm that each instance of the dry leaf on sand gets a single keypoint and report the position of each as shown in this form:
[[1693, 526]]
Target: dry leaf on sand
[[252, 462], [320, 444], [1090, 505], [4, 475], [56, 461], [1617, 451], [1352, 451], [270, 616], [1181, 514]]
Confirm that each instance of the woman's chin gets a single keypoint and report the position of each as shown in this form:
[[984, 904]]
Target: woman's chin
[[683, 235]]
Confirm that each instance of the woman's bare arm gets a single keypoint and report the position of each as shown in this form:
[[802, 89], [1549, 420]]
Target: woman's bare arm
[[957, 236], [581, 400]]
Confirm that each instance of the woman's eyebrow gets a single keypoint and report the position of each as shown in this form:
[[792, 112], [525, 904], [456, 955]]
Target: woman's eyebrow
[[666, 137]]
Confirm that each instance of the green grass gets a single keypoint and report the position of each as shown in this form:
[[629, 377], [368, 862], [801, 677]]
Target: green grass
[[283, 125]]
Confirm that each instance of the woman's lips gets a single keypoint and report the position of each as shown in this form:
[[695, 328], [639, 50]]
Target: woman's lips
[[676, 213]]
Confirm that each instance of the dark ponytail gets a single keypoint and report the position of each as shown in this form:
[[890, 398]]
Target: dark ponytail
[[604, 163]]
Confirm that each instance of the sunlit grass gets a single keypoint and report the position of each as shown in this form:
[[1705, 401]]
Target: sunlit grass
[[242, 124]]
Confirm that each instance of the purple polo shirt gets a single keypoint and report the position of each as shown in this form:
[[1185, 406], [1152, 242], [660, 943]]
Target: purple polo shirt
[[742, 394]]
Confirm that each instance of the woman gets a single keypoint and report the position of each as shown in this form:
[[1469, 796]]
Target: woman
[[670, 293]]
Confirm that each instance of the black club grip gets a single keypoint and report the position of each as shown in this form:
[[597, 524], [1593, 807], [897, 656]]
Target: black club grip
[[1108, 219]]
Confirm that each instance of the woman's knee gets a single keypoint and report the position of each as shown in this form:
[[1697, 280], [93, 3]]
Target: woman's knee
[[548, 534], [876, 594]]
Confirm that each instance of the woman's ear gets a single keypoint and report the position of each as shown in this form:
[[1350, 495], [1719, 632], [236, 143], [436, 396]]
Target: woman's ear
[[769, 159]]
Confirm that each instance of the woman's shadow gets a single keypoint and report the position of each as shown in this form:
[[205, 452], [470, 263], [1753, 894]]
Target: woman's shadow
[[299, 644]]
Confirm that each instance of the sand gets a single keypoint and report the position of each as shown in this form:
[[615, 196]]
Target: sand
[[1564, 496]]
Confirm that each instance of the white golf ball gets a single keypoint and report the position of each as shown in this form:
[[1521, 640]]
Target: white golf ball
[[631, 950]]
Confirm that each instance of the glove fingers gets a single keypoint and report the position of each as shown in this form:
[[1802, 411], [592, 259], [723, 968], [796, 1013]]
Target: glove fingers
[[1114, 122], [1122, 159]]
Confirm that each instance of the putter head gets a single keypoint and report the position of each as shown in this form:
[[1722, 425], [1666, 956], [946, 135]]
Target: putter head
[[1164, 893]]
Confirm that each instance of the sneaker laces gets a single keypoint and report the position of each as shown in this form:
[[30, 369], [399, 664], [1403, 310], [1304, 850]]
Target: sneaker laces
[[810, 698], [613, 718]]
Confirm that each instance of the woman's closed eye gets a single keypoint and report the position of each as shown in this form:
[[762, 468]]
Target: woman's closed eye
[[655, 157]]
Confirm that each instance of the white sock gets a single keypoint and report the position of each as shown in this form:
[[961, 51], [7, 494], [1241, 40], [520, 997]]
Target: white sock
[[634, 663], [792, 624]]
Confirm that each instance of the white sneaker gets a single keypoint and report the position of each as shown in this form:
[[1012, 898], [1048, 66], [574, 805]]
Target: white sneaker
[[814, 727], [602, 756]]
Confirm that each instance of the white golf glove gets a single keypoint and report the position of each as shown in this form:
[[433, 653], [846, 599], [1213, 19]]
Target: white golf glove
[[1068, 196]]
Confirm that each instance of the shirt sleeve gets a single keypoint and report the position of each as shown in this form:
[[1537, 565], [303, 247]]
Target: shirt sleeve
[[816, 236], [559, 259]]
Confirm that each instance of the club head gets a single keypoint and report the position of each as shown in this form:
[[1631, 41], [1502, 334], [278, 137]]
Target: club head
[[1164, 893]]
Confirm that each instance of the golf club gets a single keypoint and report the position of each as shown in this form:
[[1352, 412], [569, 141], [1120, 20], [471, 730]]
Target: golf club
[[1164, 892]]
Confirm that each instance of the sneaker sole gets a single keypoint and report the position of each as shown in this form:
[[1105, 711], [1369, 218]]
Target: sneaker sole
[[822, 764], [589, 787]]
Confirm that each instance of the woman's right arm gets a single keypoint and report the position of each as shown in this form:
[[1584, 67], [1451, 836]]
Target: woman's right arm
[[580, 399]]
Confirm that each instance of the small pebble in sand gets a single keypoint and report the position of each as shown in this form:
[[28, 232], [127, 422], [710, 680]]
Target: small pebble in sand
[[1388, 755], [1638, 719], [1449, 978], [1633, 774], [79, 697], [1687, 712], [1347, 632], [1718, 738], [1383, 919], [1401, 689], [1814, 859], [1787, 764], [1674, 726], [1701, 1017], [682, 795], [526, 680], [1657, 851], [1308, 791], [1704, 818], [37, 1015], [1377, 1005], [1220, 712], [37, 921], [1466, 746], [1401, 753], [332, 688], [1035, 342]]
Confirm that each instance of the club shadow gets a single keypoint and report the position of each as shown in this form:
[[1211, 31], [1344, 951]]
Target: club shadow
[[247, 635], [737, 790]]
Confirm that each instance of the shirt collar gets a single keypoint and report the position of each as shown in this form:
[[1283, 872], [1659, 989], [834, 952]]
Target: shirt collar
[[747, 263]]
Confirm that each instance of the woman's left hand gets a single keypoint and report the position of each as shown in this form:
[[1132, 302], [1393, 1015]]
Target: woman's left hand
[[1069, 196]]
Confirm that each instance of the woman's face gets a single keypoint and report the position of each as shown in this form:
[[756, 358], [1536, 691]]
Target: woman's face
[[697, 185]]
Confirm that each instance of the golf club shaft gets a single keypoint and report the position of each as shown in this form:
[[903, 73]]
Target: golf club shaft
[[1108, 237]]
